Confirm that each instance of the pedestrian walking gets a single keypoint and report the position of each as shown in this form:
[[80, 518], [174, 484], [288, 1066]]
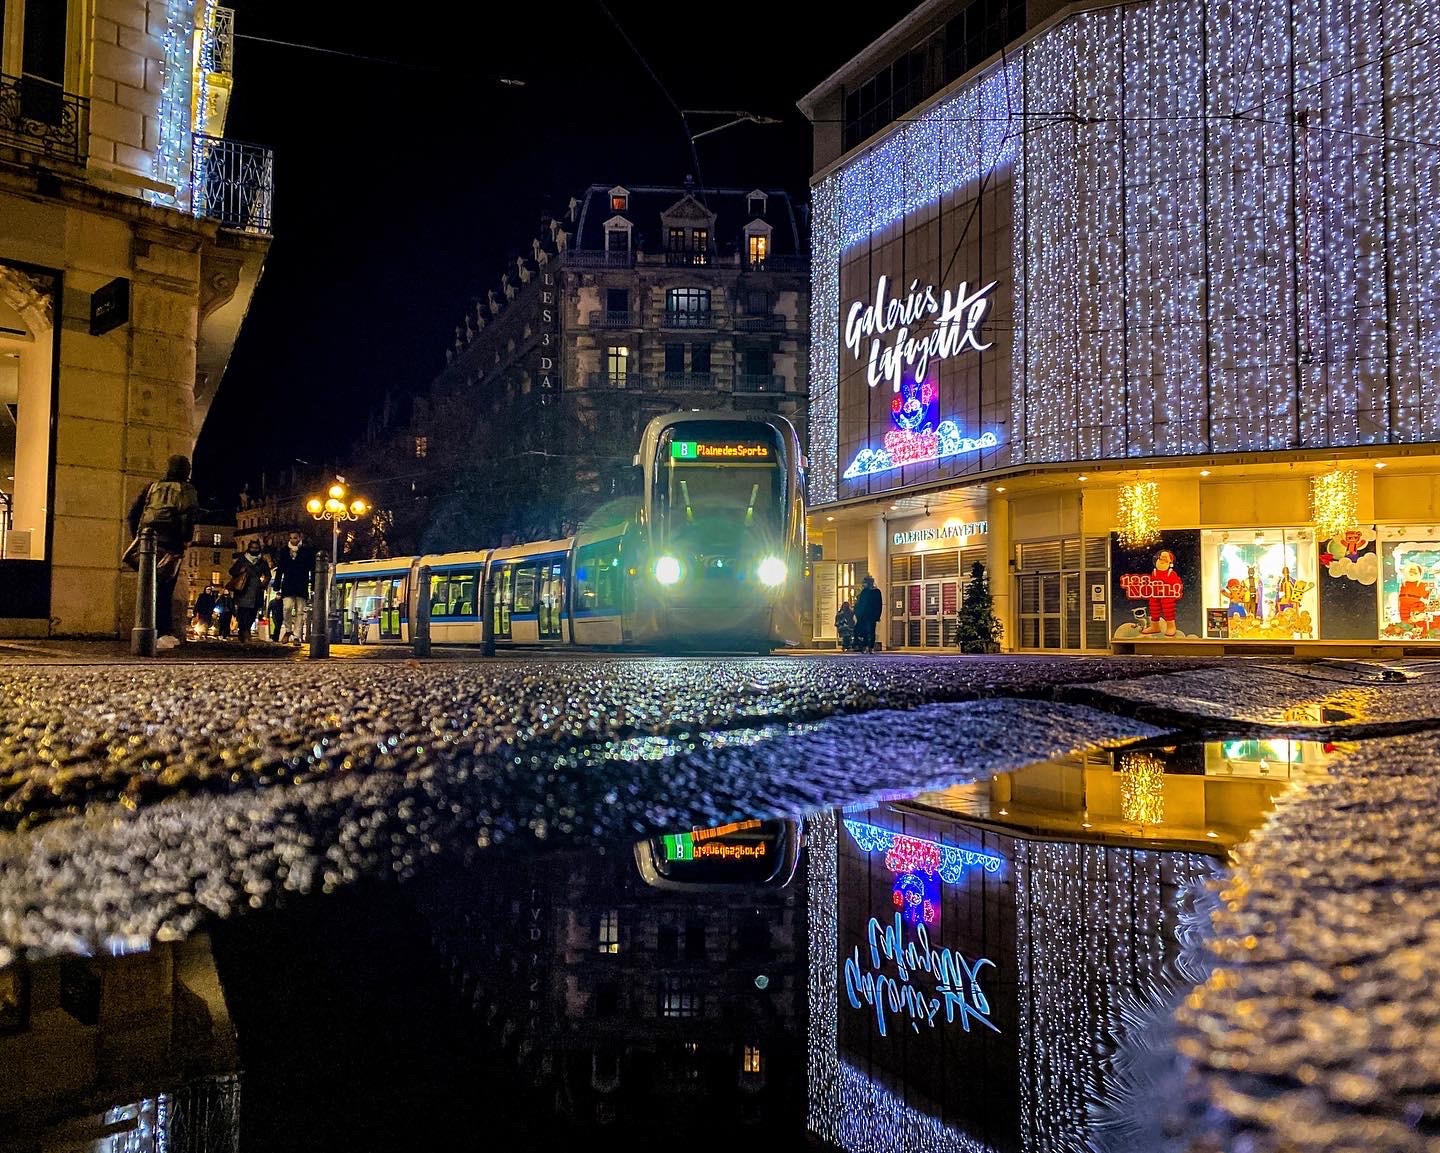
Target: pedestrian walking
[[170, 507], [204, 611], [249, 578], [845, 625], [275, 610], [868, 607], [294, 570], [224, 613]]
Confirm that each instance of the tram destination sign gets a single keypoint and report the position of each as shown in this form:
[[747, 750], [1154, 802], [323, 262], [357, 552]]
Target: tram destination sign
[[700, 450]]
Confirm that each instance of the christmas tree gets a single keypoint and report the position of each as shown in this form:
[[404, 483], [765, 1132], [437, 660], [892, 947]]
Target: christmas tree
[[979, 627]]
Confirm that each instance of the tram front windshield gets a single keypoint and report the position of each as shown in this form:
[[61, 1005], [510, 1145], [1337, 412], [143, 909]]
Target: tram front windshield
[[720, 489]]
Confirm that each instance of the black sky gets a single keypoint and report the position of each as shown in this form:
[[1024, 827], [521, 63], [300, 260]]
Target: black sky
[[406, 183]]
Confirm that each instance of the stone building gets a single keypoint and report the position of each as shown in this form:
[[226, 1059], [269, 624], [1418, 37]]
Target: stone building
[[132, 234], [639, 300]]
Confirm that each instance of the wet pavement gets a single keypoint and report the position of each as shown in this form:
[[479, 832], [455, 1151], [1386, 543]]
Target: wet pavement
[[146, 806]]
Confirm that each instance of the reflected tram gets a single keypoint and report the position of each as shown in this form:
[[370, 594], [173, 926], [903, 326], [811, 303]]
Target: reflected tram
[[712, 558]]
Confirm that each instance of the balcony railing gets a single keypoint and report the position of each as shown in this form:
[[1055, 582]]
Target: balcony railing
[[785, 263], [217, 47], [772, 323], [688, 381], [630, 382], [39, 116], [612, 318], [701, 319], [591, 259], [233, 183], [748, 382], [687, 256]]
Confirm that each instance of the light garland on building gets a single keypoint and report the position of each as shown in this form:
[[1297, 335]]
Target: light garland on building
[[174, 147], [1139, 509], [1332, 502], [1142, 787], [1180, 286]]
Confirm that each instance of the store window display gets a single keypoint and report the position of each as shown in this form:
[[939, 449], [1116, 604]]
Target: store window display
[[1260, 584], [1410, 592]]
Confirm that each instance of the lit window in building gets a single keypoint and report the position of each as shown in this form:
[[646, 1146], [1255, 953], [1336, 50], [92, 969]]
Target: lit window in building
[[700, 245], [677, 239], [687, 307], [750, 1062], [678, 999], [422, 446], [617, 364], [215, 576], [608, 934], [759, 248], [217, 540], [619, 202]]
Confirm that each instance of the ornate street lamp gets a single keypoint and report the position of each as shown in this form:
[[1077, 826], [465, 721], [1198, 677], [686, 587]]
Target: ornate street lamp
[[335, 506]]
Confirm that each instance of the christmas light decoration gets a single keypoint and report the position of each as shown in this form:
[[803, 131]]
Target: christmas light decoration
[[173, 148], [1139, 508], [1223, 229], [1332, 502], [950, 861], [1142, 787]]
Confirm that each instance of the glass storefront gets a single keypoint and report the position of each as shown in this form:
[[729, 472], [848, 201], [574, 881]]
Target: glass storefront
[[925, 591], [1410, 588], [1060, 594], [1260, 584]]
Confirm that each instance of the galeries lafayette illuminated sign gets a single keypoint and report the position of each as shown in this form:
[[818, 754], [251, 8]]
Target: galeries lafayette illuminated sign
[[896, 327]]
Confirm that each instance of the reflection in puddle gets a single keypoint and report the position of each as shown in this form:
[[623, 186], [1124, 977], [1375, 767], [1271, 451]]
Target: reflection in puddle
[[957, 970]]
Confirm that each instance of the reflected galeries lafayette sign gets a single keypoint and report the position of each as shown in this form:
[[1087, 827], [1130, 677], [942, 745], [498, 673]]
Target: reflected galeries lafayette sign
[[897, 343]]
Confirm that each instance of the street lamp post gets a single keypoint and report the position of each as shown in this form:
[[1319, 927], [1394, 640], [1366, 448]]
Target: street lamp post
[[333, 507]]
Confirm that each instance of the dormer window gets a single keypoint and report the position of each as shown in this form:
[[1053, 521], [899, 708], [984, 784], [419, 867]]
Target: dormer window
[[757, 243], [755, 203], [617, 235], [619, 199]]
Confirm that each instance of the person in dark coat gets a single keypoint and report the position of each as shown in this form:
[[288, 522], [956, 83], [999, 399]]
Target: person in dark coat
[[170, 507], [868, 607], [249, 578], [845, 625], [205, 610], [294, 568]]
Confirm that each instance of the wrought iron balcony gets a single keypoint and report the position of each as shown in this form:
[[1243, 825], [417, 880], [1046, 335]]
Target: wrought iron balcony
[[629, 382], [39, 116], [773, 322], [612, 318], [699, 319], [786, 263], [232, 182], [688, 381], [217, 47], [595, 259], [687, 256], [748, 382]]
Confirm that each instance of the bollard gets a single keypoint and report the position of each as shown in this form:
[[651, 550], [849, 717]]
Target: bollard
[[487, 621], [142, 636], [421, 639], [320, 609]]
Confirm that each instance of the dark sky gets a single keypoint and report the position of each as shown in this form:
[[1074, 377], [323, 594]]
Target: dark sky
[[406, 183]]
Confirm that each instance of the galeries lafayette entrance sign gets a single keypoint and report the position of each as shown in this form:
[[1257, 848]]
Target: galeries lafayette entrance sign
[[909, 331]]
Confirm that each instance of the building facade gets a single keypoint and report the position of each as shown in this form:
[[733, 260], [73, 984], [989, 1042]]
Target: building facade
[[132, 234], [1139, 310], [640, 301]]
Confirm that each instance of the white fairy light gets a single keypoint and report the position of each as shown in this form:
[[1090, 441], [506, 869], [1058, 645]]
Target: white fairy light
[[173, 148]]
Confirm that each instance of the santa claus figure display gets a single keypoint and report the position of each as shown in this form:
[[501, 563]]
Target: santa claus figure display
[[1165, 588]]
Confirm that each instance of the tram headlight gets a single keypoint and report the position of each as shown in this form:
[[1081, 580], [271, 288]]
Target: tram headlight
[[667, 570], [772, 571]]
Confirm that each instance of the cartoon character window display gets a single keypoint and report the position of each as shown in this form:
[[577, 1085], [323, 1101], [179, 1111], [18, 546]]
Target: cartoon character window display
[[1166, 588]]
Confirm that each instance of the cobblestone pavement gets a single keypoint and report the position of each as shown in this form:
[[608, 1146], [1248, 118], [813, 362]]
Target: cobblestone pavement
[[138, 799]]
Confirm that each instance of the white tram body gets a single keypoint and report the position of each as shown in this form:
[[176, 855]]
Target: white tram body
[[713, 559]]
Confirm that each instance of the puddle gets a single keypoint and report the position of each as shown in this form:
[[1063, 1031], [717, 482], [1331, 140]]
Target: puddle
[[989, 966]]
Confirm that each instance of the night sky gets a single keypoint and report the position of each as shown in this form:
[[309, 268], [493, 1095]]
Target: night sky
[[408, 176]]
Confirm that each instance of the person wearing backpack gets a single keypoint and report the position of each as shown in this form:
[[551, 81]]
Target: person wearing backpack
[[170, 506]]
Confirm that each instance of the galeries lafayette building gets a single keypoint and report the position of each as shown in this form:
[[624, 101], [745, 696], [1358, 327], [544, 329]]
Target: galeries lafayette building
[[1141, 314]]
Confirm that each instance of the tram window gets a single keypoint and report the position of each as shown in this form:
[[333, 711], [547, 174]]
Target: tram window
[[439, 591], [462, 593], [525, 589], [597, 579]]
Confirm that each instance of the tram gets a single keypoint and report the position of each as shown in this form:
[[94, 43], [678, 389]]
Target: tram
[[712, 558]]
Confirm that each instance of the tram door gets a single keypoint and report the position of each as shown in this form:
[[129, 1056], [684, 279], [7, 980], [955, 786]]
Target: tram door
[[392, 610], [551, 601], [504, 578]]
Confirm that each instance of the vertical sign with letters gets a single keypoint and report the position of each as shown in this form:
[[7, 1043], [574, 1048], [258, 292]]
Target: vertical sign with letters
[[547, 362]]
